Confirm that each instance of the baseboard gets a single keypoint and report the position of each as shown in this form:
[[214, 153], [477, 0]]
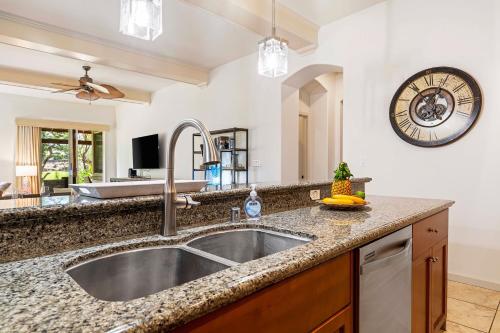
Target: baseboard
[[475, 282]]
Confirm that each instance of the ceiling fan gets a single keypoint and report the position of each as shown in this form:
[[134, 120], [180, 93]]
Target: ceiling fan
[[90, 91]]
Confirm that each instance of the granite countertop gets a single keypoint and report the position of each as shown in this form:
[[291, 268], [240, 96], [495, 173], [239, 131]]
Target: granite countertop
[[37, 294]]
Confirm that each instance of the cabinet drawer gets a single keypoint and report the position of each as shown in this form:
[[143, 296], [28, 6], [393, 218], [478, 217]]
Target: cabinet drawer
[[298, 304], [428, 232], [340, 323]]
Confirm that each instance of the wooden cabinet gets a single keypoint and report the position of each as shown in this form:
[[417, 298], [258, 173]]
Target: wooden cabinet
[[318, 300], [430, 267], [339, 323]]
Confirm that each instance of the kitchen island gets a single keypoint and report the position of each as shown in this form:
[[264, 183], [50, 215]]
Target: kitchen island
[[38, 295]]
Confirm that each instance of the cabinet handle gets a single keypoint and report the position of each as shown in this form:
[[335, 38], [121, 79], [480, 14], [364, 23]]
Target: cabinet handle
[[432, 230], [433, 259]]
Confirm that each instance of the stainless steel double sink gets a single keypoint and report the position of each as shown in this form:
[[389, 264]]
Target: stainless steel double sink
[[137, 273]]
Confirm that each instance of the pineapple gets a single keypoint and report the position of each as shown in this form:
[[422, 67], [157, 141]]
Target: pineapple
[[341, 183]]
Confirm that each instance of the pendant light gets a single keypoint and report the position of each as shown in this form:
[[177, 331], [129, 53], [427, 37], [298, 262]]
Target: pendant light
[[141, 18], [273, 53]]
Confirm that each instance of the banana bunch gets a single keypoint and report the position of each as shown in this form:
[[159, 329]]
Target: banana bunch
[[341, 199]]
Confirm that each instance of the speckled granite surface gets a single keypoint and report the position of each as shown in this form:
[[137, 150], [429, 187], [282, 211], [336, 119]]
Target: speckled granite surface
[[37, 295], [34, 231]]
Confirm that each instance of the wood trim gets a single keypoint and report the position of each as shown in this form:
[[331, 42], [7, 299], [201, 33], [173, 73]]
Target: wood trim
[[47, 123], [30, 35], [255, 15], [297, 304], [439, 286], [42, 81], [429, 231], [339, 323]]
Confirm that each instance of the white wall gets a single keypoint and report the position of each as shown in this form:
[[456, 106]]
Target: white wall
[[378, 49], [17, 106], [222, 104]]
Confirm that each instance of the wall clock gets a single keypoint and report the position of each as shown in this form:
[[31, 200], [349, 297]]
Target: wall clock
[[435, 107]]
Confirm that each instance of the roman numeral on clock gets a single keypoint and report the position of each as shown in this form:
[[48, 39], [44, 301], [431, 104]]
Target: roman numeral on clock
[[463, 114], [459, 87], [413, 86], [433, 136], [401, 114], [404, 122], [429, 80], [443, 81], [465, 100], [415, 133]]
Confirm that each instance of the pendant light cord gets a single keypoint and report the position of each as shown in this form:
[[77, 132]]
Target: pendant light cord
[[274, 19]]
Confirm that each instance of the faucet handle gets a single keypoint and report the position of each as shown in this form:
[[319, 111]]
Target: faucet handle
[[191, 203], [185, 201]]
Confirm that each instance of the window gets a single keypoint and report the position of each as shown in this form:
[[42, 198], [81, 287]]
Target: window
[[71, 157]]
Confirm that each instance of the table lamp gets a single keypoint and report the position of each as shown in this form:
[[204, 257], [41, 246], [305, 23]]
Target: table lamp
[[26, 171]]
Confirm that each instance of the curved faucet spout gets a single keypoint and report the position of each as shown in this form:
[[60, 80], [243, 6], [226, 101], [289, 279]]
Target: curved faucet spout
[[210, 156]]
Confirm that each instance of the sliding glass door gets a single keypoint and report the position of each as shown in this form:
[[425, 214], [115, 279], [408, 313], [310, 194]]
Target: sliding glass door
[[70, 157], [89, 157]]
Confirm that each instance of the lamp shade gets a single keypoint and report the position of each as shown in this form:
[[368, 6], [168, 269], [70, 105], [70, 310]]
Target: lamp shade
[[26, 170]]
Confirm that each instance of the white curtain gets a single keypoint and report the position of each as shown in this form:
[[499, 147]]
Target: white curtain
[[28, 153]]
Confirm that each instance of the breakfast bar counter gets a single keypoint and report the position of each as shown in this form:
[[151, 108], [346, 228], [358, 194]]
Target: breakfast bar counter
[[38, 295]]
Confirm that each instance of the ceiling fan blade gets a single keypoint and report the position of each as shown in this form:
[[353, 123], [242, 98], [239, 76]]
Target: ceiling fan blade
[[64, 85], [97, 87], [65, 90], [88, 96], [113, 92]]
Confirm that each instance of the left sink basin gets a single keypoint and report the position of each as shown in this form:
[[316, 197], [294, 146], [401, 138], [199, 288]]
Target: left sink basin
[[138, 273]]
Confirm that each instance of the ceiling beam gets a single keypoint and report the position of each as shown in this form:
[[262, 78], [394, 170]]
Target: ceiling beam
[[36, 37], [256, 15], [42, 81]]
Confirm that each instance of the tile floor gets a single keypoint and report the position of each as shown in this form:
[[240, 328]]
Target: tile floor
[[472, 309]]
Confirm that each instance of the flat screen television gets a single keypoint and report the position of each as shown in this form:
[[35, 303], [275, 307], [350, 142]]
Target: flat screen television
[[146, 152]]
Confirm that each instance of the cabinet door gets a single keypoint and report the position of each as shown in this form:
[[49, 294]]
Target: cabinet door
[[340, 323], [439, 284], [421, 308], [297, 304]]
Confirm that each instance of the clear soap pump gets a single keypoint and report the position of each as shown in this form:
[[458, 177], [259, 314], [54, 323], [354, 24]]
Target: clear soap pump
[[253, 204]]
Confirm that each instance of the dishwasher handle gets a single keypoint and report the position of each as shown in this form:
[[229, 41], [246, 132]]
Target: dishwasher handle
[[385, 261]]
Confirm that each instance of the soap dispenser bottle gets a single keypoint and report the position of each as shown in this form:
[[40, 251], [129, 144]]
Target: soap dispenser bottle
[[253, 205]]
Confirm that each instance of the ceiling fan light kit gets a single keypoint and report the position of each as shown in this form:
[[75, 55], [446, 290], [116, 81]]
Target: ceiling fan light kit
[[273, 53], [141, 18]]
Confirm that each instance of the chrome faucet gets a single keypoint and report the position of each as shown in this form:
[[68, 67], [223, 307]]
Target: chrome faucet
[[172, 200]]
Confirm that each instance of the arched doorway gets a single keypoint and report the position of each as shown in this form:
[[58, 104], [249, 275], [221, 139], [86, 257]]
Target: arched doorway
[[311, 123]]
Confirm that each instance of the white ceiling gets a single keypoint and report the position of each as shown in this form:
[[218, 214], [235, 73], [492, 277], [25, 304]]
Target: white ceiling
[[322, 12], [190, 34], [17, 57]]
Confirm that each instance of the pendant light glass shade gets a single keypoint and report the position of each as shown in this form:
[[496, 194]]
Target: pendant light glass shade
[[273, 53], [273, 57], [141, 18]]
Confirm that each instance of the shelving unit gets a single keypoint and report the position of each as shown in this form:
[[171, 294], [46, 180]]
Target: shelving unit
[[233, 168]]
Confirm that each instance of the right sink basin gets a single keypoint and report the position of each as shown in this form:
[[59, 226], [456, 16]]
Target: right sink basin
[[246, 244]]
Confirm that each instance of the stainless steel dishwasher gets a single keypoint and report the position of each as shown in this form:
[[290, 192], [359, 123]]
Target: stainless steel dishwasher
[[385, 284]]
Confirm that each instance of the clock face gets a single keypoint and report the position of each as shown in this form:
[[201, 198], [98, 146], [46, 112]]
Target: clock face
[[435, 107]]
